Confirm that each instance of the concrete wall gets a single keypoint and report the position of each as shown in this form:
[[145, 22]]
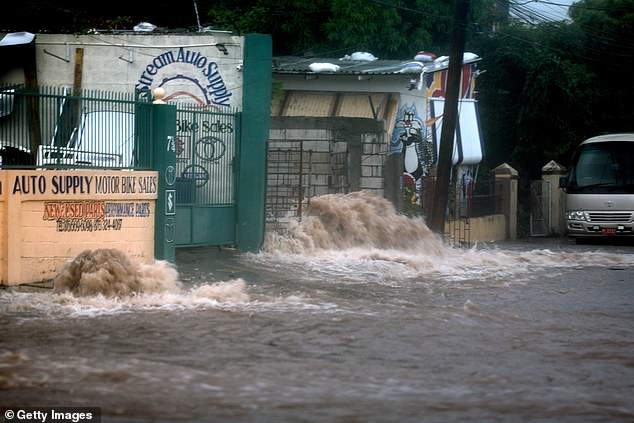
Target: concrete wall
[[48, 217], [370, 168], [505, 187], [199, 68], [363, 139], [482, 229], [551, 173]]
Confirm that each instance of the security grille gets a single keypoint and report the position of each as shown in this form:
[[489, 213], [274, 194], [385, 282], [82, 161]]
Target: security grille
[[617, 217], [540, 208], [296, 174]]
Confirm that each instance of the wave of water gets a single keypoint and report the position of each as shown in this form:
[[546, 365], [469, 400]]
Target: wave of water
[[336, 222], [359, 236], [106, 281], [344, 239]]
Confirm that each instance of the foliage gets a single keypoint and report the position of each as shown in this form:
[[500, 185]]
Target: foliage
[[607, 27], [294, 25], [548, 87], [543, 88], [365, 26], [390, 29]]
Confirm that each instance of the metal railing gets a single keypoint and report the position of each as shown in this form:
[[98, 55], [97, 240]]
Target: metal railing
[[205, 155], [50, 127], [465, 201], [295, 174], [285, 191]]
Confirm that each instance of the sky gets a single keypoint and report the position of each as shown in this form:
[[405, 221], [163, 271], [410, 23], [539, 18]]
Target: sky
[[555, 10]]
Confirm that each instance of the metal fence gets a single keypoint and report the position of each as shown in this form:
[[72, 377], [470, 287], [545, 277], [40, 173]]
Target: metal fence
[[52, 128], [540, 208], [339, 163], [465, 200], [205, 155], [297, 173], [285, 184]]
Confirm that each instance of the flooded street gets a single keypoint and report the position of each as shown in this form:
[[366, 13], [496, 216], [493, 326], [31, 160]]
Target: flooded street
[[313, 330]]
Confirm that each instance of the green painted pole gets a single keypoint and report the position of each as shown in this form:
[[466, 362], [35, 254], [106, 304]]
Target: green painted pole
[[254, 135], [164, 161]]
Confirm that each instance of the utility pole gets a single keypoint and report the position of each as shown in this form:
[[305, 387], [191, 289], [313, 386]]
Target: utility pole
[[450, 116], [200, 28]]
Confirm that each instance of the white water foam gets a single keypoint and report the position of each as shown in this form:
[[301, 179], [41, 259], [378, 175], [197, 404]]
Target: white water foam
[[496, 266], [360, 237], [106, 281], [345, 239], [224, 295]]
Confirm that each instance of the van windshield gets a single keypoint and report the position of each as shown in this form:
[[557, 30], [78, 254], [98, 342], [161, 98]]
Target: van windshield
[[603, 167]]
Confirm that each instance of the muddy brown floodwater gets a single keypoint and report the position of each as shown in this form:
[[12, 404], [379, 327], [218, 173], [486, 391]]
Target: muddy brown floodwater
[[354, 315]]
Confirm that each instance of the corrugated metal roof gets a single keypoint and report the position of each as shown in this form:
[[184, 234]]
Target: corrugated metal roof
[[291, 64], [325, 104], [302, 65]]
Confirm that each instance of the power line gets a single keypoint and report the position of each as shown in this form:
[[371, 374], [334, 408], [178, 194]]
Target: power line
[[533, 15], [433, 15]]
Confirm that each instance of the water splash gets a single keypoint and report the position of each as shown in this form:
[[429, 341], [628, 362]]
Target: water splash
[[107, 281], [358, 219], [360, 237], [356, 238], [111, 273]]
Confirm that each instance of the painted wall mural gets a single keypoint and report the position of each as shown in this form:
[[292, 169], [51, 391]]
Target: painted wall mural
[[436, 82], [410, 137], [412, 134]]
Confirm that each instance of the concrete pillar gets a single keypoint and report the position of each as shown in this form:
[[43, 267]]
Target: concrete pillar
[[551, 173], [164, 160], [256, 112], [392, 172], [355, 149], [505, 189]]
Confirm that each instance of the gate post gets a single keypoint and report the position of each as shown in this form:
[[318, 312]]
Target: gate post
[[551, 173], [506, 189], [164, 161], [254, 135]]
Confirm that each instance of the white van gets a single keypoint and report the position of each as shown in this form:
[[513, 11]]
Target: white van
[[600, 188], [103, 139]]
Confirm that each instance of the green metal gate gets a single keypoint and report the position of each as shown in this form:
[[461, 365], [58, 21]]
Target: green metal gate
[[206, 176]]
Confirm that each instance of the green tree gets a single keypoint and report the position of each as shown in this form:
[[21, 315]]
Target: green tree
[[294, 25], [547, 87], [608, 52], [535, 99], [390, 29], [363, 25]]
